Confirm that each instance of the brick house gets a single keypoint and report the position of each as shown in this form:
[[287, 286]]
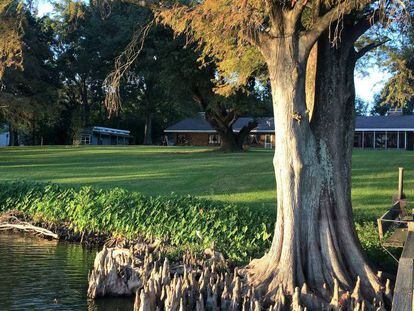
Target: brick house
[[198, 132], [394, 131]]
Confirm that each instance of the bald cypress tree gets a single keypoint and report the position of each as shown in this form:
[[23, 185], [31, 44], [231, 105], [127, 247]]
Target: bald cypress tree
[[314, 241]]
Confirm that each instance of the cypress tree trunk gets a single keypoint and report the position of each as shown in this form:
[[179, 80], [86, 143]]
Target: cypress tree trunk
[[314, 241]]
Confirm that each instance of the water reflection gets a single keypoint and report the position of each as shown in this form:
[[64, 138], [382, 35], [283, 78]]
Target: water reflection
[[37, 274]]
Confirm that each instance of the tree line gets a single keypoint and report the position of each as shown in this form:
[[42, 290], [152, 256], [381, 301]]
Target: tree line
[[69, 53], [59, 89]]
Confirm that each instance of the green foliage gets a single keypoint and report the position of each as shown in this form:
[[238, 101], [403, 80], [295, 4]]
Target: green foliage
[[381, 107], [28, 94], [11, 47], [361, 107], [368, 236], [184, 221], [399, 62], [399, 89]]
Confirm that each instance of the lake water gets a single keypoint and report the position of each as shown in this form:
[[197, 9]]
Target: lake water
[[36, 274]]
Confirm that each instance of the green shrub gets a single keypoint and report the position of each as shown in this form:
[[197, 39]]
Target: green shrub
[[186, 222], [368, 236]]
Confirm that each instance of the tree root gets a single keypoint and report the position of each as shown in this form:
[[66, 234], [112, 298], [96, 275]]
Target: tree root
[[114, 274], [207, 284], [262, 275]]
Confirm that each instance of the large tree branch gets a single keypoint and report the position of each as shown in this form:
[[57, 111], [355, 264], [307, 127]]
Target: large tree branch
[[369, 47], [309, 38], [364, 23], [199, 98], [298, 8], [231, 117]]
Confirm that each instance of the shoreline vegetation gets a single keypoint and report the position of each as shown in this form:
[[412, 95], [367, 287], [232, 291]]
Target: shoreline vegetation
[[180, 222], [176, 224]]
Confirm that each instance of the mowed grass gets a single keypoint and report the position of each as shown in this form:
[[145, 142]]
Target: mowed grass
[[245, 179]]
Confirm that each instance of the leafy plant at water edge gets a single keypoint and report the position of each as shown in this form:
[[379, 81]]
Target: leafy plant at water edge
[[185, 221]]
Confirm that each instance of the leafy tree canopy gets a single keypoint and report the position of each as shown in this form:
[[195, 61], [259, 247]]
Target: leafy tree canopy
[[235, 33], [11, 22], [31, 89]]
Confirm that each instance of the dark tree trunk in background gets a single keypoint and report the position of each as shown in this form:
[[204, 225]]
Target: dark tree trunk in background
[[222, 121], [230, 141], [33, 126], [14, 136], [85, 104], [148, 128]]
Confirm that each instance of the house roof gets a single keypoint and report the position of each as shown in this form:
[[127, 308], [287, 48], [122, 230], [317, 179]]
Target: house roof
[[384, 123], [107, 131], [267, 125], [111, 131], [200, 125]]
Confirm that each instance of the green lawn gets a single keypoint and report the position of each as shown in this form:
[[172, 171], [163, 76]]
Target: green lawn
[[241, 178]]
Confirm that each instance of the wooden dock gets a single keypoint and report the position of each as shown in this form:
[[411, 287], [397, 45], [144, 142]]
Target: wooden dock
[[404, 285], [396, 229]]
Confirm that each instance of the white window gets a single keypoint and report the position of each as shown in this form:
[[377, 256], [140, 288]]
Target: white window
[[85, 140], [214, 139]]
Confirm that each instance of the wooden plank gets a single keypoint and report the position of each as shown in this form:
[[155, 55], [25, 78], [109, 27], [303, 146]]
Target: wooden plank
[[397, 239], [408, 251], [391, 214], [403, 292]]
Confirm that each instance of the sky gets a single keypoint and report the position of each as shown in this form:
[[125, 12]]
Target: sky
[[366, 86], [44, 7], [371, 83]]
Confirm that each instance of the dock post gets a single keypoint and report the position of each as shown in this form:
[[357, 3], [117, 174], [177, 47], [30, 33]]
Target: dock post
[[400, 183]]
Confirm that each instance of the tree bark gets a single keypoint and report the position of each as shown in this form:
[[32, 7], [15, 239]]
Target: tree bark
[[314, 241], [14, 136], [148, 128]]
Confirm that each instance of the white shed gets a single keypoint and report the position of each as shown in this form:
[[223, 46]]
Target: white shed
[[4, 137]]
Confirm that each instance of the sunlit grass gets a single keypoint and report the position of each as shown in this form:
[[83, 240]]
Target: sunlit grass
[[240, 178]]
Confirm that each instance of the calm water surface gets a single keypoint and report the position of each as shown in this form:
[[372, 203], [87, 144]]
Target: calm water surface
[[37, 274]]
